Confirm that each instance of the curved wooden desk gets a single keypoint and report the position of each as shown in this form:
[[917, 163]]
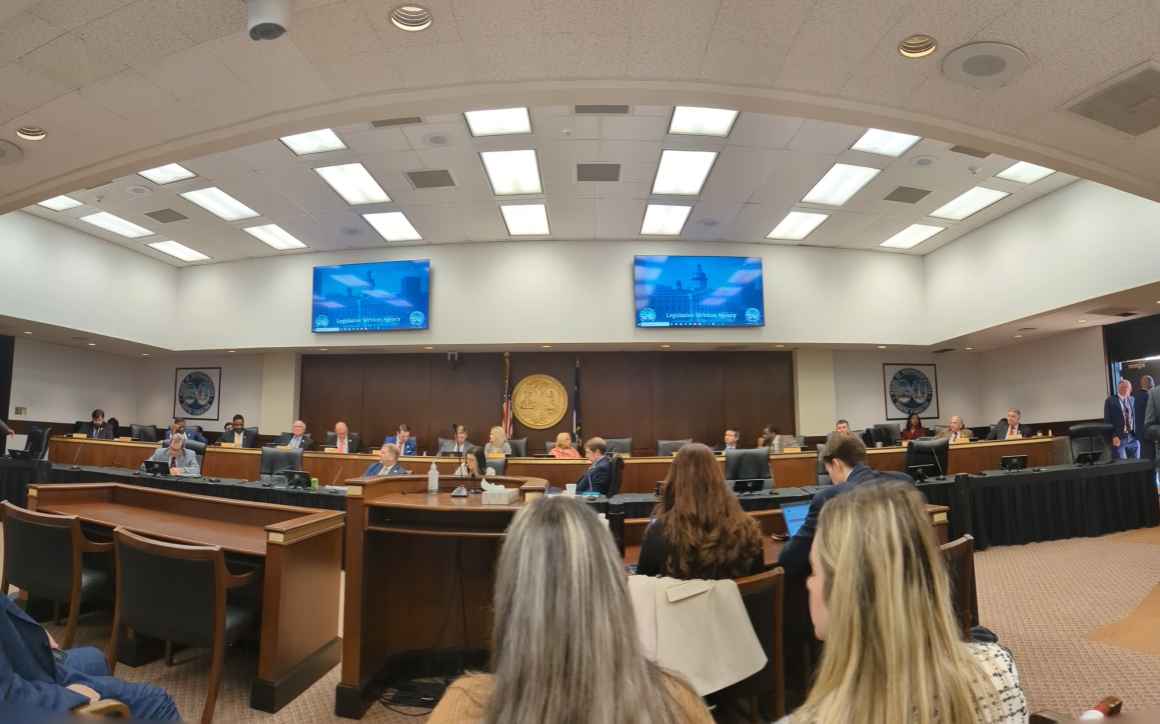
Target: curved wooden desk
[[420, 571]]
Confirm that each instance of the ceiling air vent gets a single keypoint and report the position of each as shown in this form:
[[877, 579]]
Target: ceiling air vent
[[598, 172], [166, 216], [602, 110], [968, 151], [404, 121], [907, 195], [431, 179], [944, 350], [1129, 103]]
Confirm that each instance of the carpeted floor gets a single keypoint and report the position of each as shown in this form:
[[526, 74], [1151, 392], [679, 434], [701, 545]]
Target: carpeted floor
[[1045, 600]]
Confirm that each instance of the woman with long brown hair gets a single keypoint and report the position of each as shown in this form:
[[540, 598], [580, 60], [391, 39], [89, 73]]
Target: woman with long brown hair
[[699, 529]]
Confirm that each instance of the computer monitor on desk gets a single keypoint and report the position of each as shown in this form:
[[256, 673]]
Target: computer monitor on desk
[[156, 467], [927, 456]]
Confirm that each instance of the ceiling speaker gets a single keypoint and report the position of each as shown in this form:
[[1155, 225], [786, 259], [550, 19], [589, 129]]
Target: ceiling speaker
[[985, 65], [10, 153]]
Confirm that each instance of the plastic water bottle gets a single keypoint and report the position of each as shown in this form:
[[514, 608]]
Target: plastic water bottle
[[433, 479]]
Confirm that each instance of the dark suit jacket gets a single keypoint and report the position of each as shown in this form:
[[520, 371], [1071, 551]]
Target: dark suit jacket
[[377, 469], [29, 674], [249, 437], [354, 444], [795, 556], [1141, 411], [598, 477], [286, 437], [1114, 415], [999, 431], [105, 433], [411, 447]]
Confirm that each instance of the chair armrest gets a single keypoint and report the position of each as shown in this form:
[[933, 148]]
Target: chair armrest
[[239, 580], [92, 546], [102, 708]]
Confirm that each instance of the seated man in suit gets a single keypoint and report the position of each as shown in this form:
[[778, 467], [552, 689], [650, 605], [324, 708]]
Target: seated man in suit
[[457, 446], [732, 437], [388, 463], [298, 437], [182, 461], [1120, 413], [1009, 430], [845, 459], [237, 434], [956, 431], [402, 438], [178, 428], [598, 477], [36, 673], [344, 442], [98, 429]]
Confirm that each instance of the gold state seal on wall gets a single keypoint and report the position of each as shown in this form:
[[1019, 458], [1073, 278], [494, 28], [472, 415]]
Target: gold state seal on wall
[[539, 401]]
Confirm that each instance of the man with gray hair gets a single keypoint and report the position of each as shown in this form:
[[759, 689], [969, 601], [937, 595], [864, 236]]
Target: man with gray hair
[[181, 460], [1008, 429]]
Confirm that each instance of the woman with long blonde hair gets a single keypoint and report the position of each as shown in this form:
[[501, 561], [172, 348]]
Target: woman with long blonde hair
[[880, 600], [565, 644]]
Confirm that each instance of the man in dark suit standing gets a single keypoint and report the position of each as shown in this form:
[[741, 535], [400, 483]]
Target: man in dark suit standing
[[1120, 413], [1147, 447], [598, 477], [97, 429], [36, 673]]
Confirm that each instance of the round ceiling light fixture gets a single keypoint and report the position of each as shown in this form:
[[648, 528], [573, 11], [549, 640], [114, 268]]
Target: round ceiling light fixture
[[411, 18], [32, 133], [985, 65], [918, 45]]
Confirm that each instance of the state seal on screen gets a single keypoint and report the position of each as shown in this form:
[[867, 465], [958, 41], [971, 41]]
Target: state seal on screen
[[417, 318], [539, 401], [648, 314], [196, 393]]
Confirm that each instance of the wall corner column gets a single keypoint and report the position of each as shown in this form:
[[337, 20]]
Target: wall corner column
[[815, 405]]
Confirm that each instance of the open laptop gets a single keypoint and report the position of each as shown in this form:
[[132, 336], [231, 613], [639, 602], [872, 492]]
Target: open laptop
[[795, 515]]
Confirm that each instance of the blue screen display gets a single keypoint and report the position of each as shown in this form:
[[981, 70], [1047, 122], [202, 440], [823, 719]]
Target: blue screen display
[[699, 291], [377, 297]]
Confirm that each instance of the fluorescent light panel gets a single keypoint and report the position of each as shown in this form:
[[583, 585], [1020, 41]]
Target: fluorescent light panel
[[885, 143], [683, 173], [526, 219], [797, 225], [1025, 173], [968, 203], [840, 183], [181, 251], [664, 219], [512, 172], [393, 226], [220, 204], [912, 236], [167, 174], [354, 184], [310, 142], [117, 225], [695, 121], [60, 203], [498, 122], [274, 236]]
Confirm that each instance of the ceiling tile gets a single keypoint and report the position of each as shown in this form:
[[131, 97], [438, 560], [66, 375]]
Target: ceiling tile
[[22, 33]]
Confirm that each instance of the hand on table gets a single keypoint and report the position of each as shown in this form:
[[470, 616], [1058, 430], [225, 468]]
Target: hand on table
[[83, 690], [175, 471], [1115, 442]]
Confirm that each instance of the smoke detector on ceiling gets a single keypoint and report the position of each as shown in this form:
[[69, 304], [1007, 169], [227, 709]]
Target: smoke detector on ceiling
[[138, 190], [10, 153], [985, 65]]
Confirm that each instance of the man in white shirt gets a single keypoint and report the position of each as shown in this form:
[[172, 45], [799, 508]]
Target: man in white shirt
[[298, 437], [343, 441]]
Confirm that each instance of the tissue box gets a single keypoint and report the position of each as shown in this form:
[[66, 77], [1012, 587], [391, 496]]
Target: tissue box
[[505, 496]]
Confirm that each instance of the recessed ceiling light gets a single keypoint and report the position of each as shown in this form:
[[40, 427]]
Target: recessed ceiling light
[[353, 183], [545, 346], [323, 349], [797, 225], [167, 174], [92, 344], [231, 351], [526, 219], [1018, 336], [60, 203], [918, 45], [840, 183], [1082, 321], [968, 203], [512, 172], [666, 346], [1025, 173], [428, 348], [498, 122], [393, 226], [28, 332], [274, 236], [779, 345], [694, 121], [885, 143], [220, 204], [116, 224], [683, 173], [912, 236], [320, 141], [144, 354], [411, 18], [664, 219], [968, 348], [881, 346], [32, 133], [179, 250]]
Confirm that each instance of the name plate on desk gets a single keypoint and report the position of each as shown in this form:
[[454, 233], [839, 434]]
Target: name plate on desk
[[228, 444], [329, 449], [961, 441], [79, 435], [124, 439], [787, 450]]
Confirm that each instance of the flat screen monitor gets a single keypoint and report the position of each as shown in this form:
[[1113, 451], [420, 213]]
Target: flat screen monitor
[[795, 515], [698, 291], [380, 296]]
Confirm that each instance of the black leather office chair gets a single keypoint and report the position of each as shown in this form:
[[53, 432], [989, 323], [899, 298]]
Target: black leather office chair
[[1089, 438], [275, 460], [143, 433], [748, 464], [499, 465], [36, 442], [619, 445], [519, 447], [617, 475], [928, 451], [442, 443], [51, 558], [670, 447], [886, 433], [822, 476], [196, 446], [764, 692], [178, 594]]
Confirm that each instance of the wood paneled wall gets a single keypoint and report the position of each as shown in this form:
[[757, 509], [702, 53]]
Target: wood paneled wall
[[643, 395]]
